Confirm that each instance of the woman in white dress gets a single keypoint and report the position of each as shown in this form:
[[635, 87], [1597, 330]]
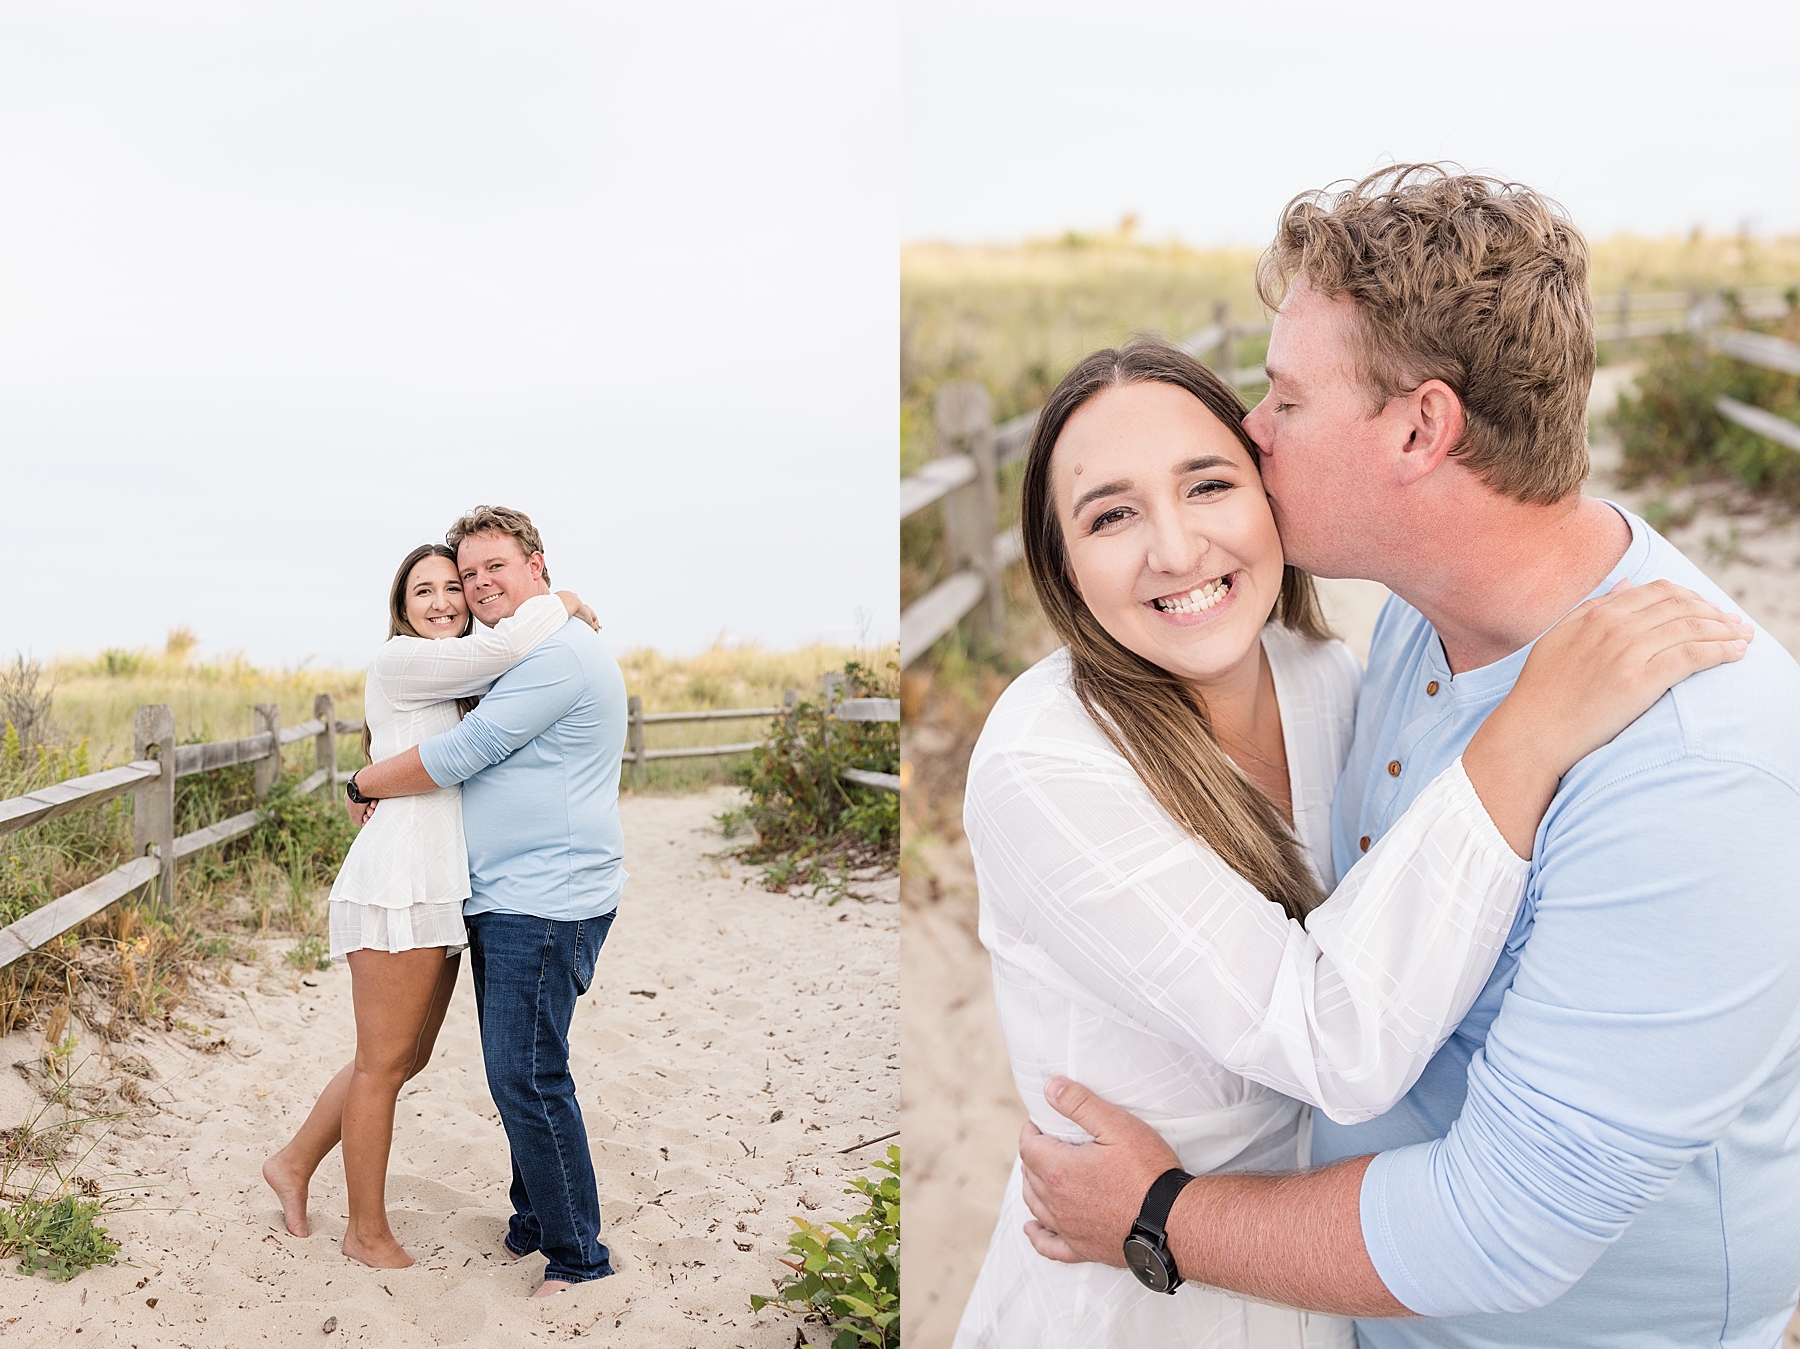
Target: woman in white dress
[[396, 907], [1149, 809]]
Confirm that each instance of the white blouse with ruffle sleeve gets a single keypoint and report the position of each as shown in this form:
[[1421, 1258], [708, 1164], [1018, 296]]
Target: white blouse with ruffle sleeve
[[405, 879], [1128, 956]]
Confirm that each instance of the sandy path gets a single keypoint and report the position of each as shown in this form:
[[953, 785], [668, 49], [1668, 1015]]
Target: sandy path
[[762, 1004], [959, 1109]]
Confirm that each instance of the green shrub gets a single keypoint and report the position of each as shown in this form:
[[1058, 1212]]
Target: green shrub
[[311, 952], [848, 1275], [807, 818], [308, 834], [1669, 426], [59, 1237]]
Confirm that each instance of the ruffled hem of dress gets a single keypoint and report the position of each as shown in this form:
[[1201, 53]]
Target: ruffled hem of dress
[[363, 927]]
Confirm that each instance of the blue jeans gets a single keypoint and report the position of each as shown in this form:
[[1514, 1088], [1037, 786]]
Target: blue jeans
[[528, 973]]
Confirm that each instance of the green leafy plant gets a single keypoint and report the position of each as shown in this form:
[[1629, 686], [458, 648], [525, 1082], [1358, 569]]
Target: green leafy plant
[[1669, 426], [52, 1224], [847, 1273], [310, 953], [808, 819], [59, 1237], [308, 834]]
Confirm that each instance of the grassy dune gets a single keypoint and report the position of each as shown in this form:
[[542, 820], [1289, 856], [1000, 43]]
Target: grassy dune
[[96, 697]]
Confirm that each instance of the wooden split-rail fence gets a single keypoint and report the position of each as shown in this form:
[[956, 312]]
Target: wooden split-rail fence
[[965, 477], [157, 761], [837, 707]]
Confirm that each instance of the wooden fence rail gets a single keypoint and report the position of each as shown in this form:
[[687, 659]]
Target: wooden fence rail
[[972, 451], [157, 761], [842, 709]]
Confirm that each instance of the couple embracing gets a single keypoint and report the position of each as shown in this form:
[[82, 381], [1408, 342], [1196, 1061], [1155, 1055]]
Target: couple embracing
[[1461, 995], [490, 823]]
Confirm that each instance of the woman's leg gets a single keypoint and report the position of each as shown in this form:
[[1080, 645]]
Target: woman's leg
[[393, 994], [434, 1015], [290, 1171]]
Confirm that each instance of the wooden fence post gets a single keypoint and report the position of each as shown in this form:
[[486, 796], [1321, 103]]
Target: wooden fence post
[[1624, 314], [832, 686], [1225, 353], [268, 771], [965, 425], [634, 737], [325, 744], [154, 834]]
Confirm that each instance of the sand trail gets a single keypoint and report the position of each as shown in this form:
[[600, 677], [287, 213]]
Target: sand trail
[[733, 1043]]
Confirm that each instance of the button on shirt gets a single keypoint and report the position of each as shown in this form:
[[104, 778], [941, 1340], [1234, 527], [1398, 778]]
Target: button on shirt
[[539, 763], [1608, 1148]]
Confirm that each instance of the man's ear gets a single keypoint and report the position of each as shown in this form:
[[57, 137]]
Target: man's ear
[[535, 563], [1436, 422]]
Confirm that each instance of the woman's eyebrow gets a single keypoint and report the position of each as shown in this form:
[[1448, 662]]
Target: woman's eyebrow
[[1105, 489], [1204, 462]]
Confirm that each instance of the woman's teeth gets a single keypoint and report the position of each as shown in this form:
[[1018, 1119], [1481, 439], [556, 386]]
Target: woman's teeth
[[1197, 600]]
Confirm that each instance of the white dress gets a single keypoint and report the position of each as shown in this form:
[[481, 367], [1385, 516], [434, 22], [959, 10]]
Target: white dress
[[406, 876], [1129, 957]]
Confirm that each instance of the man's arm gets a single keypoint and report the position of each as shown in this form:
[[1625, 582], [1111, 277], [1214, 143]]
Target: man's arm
[[527, 701], [1295, 1239], [402, 775]]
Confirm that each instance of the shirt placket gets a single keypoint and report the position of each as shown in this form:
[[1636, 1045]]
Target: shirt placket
[[1431, 706]]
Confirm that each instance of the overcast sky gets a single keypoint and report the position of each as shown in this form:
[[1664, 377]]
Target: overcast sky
[[285, 286], [1040, 116]]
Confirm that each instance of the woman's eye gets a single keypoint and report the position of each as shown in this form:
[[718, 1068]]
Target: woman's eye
[[1210, 487], [1112, 517]]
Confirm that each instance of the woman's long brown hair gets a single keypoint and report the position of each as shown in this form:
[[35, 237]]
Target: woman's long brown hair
[[1151, 717], [400, 626]]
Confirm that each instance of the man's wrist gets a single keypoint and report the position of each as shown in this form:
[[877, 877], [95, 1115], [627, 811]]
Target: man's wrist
[[1147, 1253], [355, 793]]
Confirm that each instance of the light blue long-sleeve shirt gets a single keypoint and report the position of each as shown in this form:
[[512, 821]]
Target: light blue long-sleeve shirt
[[1607, 1151], [539, 764]]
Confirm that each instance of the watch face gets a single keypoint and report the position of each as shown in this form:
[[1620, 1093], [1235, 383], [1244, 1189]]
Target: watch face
[[1146, 1261]]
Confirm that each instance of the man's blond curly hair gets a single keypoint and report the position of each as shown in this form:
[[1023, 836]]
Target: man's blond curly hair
[[499, 520], [1476, 282]]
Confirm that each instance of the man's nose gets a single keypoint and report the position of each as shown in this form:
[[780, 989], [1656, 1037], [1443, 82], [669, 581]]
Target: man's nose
[[1257, 425]]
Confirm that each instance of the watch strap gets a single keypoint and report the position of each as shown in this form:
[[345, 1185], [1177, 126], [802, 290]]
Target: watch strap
[[1154, 1215]]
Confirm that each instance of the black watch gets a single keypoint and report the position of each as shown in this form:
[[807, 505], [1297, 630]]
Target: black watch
[[350, 790], [1147, 1248]]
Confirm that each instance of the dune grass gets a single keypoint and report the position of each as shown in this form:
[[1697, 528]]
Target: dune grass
[[96, 696]]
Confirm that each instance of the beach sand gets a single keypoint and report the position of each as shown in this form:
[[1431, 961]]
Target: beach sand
[[734, 1044], [959, 1109]]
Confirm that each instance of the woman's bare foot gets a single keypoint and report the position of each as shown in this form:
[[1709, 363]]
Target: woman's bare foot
[[551, 1287], [290, 1187], [378, 1254]]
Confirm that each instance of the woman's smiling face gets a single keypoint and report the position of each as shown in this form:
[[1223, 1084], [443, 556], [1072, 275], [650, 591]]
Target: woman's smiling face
[[1170, 539], [434, 599]]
